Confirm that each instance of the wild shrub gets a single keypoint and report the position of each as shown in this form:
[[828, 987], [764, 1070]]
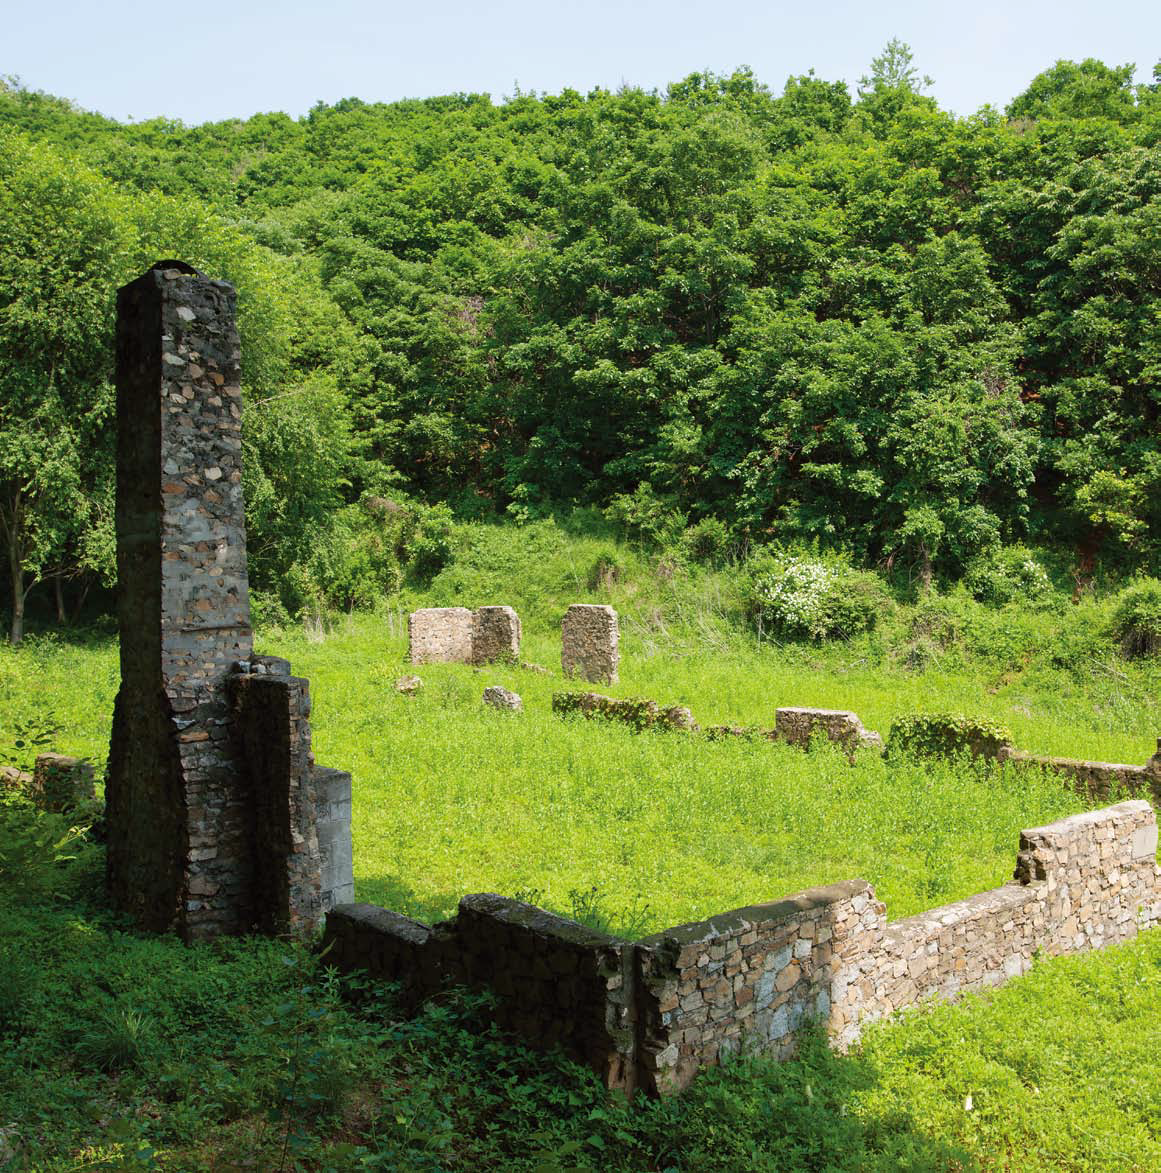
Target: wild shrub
[[1008, 574], [646, 517], [428, 547], [945, 735], [1137, 619], [798, 596], [708, 542], [34, 847], [607, 569]]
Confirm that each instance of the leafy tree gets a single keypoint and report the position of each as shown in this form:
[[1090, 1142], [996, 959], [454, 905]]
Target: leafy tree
[[65, 238]]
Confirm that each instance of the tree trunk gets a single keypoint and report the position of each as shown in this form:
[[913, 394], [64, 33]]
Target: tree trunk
[[16, 571], [925, 570], [58, 594], [11, 518]]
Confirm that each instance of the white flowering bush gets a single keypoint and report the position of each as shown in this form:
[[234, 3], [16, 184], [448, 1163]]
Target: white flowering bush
[[802, 597]]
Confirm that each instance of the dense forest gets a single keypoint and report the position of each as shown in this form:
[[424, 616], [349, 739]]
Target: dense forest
[[848, 320]]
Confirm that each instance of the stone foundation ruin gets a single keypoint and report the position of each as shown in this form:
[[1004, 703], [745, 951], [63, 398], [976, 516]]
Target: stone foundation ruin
[[649, 1014], [456, 635], [213, 799], [590, 643]]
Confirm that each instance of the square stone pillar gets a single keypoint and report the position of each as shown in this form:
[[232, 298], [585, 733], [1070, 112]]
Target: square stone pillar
[[590, 643], [211, 799]]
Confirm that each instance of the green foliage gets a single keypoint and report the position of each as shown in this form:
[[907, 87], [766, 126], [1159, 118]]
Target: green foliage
[[707, 542], [430, 547], [1137, 618], [141, 1052], [645, 517], [797, 596], [34, 847], [946, 735], [871, 324], [1006, 575]]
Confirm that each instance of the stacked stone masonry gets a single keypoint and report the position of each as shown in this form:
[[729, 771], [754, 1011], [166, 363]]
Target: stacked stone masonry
[[641, 714], [496, 635], [456, 635], [210, 795], [797, 726], [590, 643], [557, 982], [1097, 781], [651, 1013], [61, 783]]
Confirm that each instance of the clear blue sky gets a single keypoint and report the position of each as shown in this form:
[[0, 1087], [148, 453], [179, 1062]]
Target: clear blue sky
[[212, 59]]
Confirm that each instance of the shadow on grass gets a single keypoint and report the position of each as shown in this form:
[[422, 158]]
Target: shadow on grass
[[814, 1112], [392, 893], [514, 1108]]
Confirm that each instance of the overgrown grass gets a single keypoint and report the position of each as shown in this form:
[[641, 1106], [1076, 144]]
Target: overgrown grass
[[123, 1051], [643, 831], [452, 797]]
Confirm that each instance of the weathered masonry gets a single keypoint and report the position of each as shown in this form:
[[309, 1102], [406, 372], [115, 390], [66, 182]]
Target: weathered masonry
[[590, 640], [649, 1014], [456, 635], [213, 798]]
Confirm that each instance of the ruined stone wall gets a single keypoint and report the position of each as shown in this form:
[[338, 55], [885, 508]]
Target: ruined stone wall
[[440, 635], [60, 783], [634, 711], [1086, 881], [496, 635], [557, 982], [183, 607], [746, 978], [1081, 883], [796, 726], [652, 1013], [456, 635], [272, 723], [333, 828], [1097, 781], [590, 643]]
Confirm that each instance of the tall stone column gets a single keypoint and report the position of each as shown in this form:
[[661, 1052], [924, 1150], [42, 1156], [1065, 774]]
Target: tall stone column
[[180, 823]]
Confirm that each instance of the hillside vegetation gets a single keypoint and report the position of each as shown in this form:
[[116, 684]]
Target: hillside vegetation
[[805, 315]]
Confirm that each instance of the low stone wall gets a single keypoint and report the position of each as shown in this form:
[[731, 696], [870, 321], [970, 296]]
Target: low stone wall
[[747, 978], [439, 635], [796, 726], [651, 1013], [634, 711], [557, 982], [57, 783], [333, 827], [1097, 781], [496, 635], [455, 635]]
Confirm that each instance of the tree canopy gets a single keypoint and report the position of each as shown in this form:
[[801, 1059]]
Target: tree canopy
[[858, 319]]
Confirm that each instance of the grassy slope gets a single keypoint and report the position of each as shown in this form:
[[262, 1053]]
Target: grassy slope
[[451, 798]]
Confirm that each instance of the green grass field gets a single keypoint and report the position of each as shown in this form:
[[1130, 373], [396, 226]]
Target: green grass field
[[636, 832], [136, 1052]]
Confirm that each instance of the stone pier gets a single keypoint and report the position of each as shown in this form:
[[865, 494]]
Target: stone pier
[[590, 643], [209, 796]]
